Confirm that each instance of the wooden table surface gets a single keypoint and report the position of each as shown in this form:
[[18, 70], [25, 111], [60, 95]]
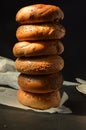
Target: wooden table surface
[[17, 119]]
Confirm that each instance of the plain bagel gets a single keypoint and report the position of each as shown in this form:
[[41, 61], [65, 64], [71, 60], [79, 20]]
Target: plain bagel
[[39, 13], [39, 65], [39, 101], [38, 48], [40, 83], [40, 32]]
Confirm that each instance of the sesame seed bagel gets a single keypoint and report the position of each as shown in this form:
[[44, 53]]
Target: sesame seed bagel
[[40, 32], [39, 65]]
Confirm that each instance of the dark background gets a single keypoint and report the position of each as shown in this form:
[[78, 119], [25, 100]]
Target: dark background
[[74, 41], [75, 66]]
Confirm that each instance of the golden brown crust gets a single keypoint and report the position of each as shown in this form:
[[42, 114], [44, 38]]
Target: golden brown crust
[[38, 48], [39, 13], [39, 65], [40, 32], [39, 101], [40, 83]]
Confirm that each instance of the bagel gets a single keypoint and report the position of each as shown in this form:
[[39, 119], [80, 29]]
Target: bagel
[[39, 65], [39, 101], [38, 48], [40, 32], [40, 83], [39, 13]]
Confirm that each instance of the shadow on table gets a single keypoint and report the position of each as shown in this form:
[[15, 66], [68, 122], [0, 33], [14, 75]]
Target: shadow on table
[[76, 101], [14, 118]]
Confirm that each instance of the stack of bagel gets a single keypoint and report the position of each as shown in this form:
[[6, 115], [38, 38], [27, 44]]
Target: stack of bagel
[[37, 51]]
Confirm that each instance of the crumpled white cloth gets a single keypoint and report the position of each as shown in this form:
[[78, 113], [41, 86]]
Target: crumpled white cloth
[[8, 97], [9, 76]]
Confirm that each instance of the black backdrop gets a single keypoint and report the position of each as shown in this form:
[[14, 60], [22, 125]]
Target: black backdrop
[[74, 41]]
